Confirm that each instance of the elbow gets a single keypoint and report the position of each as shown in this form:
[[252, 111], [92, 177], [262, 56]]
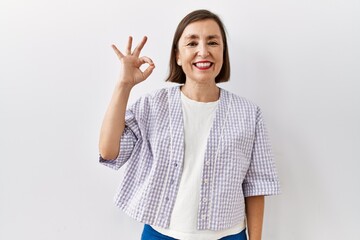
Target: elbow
[[108, 154]]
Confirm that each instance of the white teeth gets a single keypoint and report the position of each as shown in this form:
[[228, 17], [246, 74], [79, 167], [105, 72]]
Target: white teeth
[[203, 64]]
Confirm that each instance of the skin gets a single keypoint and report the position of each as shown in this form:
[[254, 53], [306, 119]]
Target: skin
[[114, 120], [254, 207], [201, 42], [200, 54]]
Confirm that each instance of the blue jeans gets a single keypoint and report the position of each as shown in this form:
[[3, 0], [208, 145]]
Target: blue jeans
[[151, 234]]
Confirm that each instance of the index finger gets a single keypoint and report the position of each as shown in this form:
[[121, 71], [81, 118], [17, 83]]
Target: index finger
[[117, 51], [139, 47]]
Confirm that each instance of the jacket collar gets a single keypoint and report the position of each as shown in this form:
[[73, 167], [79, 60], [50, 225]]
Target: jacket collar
[[177, 124]]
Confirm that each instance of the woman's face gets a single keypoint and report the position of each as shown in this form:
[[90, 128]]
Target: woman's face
[[200, 51]]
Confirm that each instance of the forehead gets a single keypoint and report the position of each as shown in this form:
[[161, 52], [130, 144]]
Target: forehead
[[202, 28]]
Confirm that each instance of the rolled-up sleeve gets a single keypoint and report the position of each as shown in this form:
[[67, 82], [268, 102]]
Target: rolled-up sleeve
[[261, 177], [128, 141]]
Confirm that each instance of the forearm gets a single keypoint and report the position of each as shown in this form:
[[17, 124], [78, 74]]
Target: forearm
[[254, 215], [114, 122]]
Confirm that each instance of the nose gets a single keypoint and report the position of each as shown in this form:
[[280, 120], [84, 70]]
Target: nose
[[203, 50]]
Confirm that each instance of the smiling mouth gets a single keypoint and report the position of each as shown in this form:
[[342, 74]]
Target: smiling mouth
[[203, 65]]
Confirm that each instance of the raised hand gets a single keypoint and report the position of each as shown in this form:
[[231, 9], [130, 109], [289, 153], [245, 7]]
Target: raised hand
[[131, 73]]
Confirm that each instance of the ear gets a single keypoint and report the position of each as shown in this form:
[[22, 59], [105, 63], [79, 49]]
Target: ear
[[178, 60]]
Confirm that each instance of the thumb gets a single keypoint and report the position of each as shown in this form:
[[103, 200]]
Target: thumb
[[149, 69]]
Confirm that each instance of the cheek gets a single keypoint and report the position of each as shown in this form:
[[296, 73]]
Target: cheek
[[221, 54], [221, 58]]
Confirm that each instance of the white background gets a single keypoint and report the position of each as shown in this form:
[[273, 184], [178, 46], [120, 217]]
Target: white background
[[298, 60]]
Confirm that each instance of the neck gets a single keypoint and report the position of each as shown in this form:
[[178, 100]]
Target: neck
[[208, 92]]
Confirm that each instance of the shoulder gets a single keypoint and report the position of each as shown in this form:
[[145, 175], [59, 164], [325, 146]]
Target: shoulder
[[241, 102], [160, 94], [156, 97]]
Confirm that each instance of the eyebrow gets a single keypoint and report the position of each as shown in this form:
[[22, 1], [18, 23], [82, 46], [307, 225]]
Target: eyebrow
[[194, 36]]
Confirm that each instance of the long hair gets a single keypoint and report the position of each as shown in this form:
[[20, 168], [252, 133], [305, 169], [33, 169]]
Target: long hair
[[176, 73]]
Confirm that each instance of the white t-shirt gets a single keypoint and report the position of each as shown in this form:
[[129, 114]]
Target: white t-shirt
[[198, 119]]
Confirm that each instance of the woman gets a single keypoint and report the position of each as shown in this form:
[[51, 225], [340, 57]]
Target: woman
[[198, 156]]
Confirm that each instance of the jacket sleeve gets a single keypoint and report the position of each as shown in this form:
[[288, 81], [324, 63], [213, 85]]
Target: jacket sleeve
[[261, 177], [130, 139]]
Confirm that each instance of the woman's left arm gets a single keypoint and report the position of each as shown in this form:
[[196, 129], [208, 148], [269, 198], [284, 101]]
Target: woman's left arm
[[254, 216]]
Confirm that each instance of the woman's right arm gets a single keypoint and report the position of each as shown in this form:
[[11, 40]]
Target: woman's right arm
[[114, 120]]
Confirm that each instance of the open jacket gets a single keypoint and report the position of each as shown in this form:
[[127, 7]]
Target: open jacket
[[238, 160]]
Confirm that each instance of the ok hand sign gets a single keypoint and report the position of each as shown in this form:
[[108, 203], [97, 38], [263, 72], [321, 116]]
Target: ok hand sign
[[131, 62]]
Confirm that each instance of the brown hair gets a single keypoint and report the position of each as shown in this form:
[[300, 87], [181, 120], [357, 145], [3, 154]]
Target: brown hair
[[176, 73]]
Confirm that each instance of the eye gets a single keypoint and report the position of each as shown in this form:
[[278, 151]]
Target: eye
[[191, 44], [213, 43]]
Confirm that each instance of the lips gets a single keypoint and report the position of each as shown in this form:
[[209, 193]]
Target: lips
[[203, 65]]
